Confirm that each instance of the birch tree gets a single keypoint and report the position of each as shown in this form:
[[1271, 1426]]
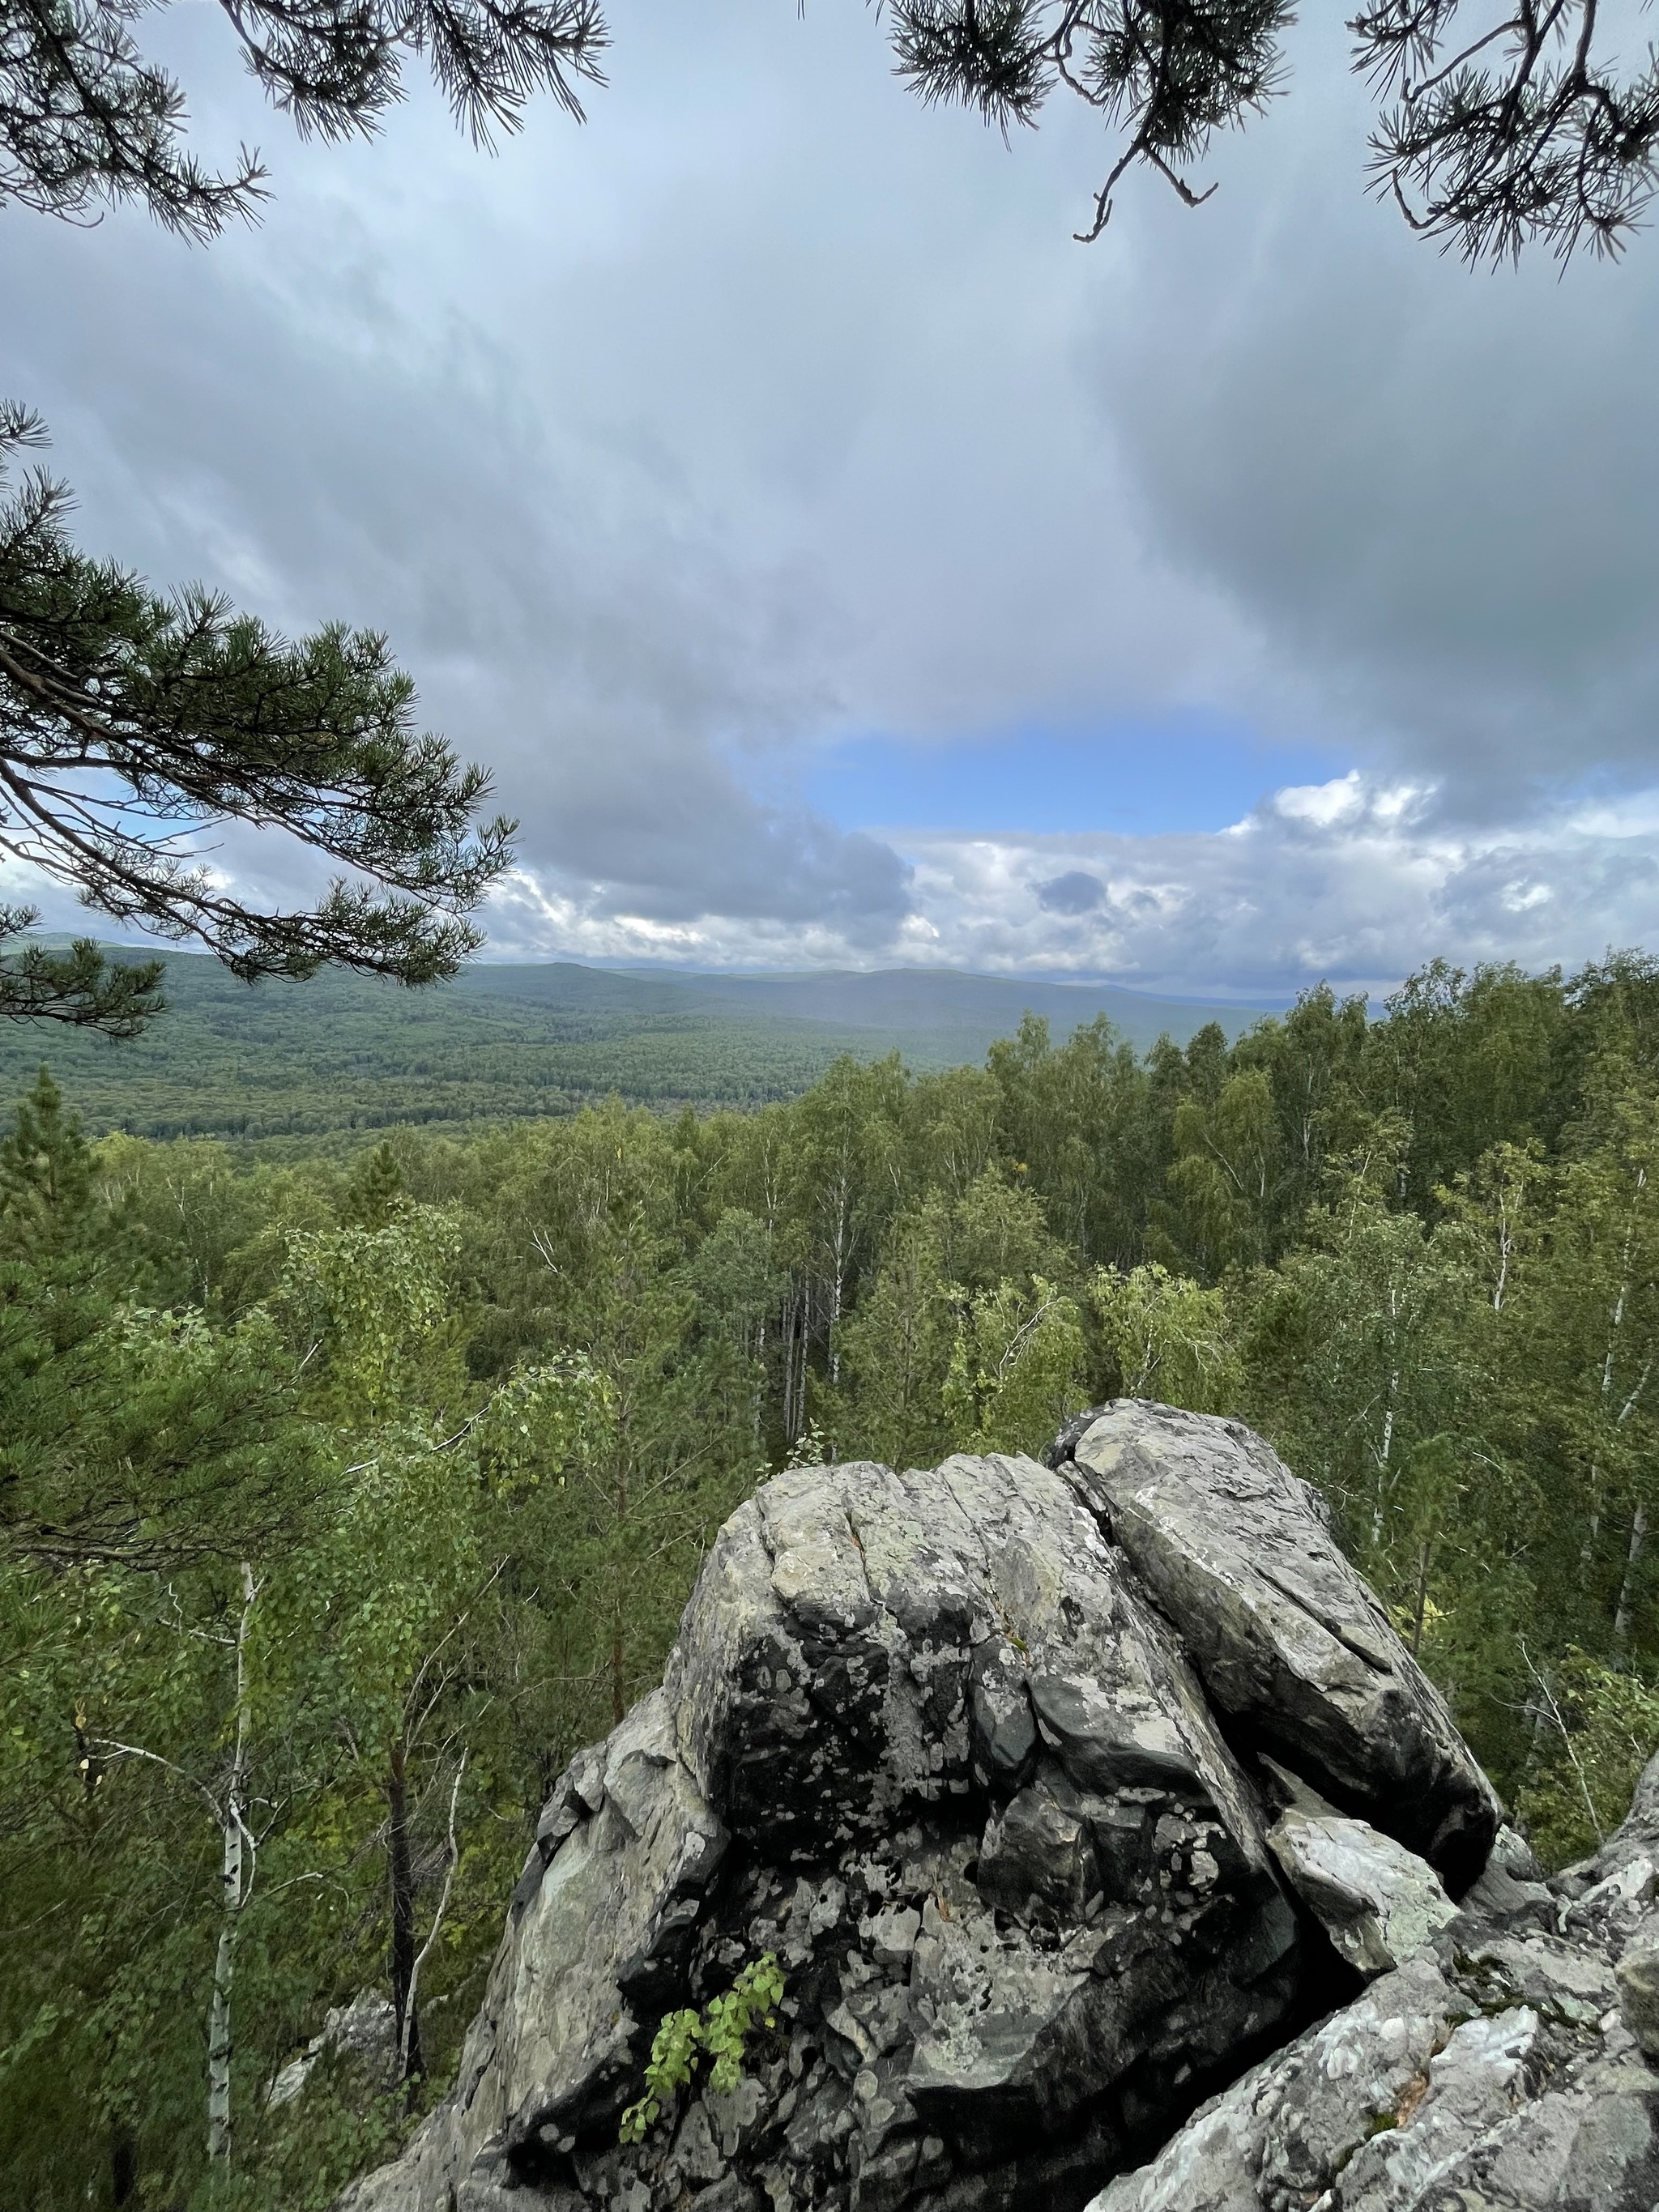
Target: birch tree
[[228, 1805]]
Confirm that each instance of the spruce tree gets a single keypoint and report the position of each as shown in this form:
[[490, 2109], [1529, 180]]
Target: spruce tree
[[45, 1169]]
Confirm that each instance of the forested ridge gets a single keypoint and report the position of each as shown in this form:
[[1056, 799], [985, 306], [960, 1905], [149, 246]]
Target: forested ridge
[[284, 1065], [346, 1498]]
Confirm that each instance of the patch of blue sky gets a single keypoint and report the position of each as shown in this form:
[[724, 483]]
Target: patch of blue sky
[[1137, 778]]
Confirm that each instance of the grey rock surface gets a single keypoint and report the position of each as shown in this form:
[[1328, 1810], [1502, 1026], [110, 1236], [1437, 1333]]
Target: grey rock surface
[[362, 2034], [1287, 1637], [600, 1932], [1494, 2072], [1378, 1902], [1638, 1993], [938, 1742]]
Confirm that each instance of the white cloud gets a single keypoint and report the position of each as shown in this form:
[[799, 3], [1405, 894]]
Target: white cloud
[[1355, 880]]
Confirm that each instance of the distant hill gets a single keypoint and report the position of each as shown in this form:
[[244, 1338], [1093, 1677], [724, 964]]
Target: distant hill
[[935, 1002], [344, 1054]]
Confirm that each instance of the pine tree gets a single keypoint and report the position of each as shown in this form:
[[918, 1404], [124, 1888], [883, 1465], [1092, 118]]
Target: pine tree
[[85, 117], [126, 719], [45, 1169], [1492, 141]]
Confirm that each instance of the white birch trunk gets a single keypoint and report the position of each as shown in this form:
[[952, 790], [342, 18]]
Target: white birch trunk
[[1639, 1537], [236, 1873], [837, 1290]]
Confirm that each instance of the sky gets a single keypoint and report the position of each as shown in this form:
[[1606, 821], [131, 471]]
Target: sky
[[837, 565]]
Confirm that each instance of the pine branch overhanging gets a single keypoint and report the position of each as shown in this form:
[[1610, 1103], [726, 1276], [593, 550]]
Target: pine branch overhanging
[[133, 726]]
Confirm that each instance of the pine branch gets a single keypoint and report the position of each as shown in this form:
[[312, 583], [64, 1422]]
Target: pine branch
[[131, 726]]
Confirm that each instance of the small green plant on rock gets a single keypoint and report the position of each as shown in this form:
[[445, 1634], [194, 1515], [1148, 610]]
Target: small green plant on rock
[[720, 2032]]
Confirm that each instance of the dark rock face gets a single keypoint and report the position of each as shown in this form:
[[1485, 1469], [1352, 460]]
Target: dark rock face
[[933, 1739], [1290, 1644]]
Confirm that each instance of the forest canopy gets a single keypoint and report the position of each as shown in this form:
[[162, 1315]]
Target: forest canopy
[[342, 1500]]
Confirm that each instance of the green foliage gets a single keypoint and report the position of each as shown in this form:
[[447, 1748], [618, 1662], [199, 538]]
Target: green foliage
[[375, 1191], [373, 1305], [85, 117], [469, 1409], [45, 1168], [79, 988], [288, 1063], [720, 2032], [1171, 1340], [1017, 1369], [1595, 1729]]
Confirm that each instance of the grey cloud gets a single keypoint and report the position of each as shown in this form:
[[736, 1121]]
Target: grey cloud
[[1075, 892], [1435, 491], [771, 406], [608, 652]]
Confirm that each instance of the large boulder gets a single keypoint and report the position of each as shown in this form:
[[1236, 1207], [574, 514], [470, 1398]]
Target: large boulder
[[1290, 1644], [946, 1744]]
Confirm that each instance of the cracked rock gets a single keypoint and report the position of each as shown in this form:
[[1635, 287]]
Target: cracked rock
[[977, 1752]]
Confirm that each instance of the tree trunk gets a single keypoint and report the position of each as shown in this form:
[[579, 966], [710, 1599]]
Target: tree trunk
[[837, 1290], [219, 2033], [1639, 1535], [1379, 1509], [400, 1868], [789, 1371], [1615, 1323], [123, 2167], [1422, 1606], [234, 1895]]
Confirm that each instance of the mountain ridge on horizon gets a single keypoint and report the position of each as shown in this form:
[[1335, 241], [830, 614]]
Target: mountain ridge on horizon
[[668, 971], [341, 1056], [898, 1000]]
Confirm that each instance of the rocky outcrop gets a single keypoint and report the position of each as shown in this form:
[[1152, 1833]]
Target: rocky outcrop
[[1290, 1644], [1501, 2068], [968, 1751], [361, 2036], [1377, 1901]]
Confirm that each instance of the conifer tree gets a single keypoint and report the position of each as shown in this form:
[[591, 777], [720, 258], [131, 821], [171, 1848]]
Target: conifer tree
[[1505, 126], [45, 1168], [84, 116], [131, 723]]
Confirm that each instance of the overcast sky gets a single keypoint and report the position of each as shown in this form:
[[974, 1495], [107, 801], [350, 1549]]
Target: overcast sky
[[838, 565]]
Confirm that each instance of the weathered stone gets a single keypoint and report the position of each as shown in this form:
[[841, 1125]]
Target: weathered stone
[[1638, 1992], [1285, 1635], [695, 2155], [989, 1825], [551, 2056], [892, 1934], [1377, 1901], [929, 1738], [1565, 1981], [829, 1655], [1512, 1886], [362, 2034], [1493, 2072]]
